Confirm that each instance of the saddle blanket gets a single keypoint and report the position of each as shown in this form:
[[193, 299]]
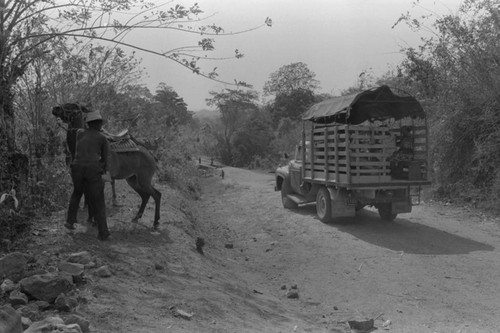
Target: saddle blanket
[[124, 145]]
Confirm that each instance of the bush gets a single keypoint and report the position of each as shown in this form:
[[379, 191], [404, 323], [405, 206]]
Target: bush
[[177, 166]]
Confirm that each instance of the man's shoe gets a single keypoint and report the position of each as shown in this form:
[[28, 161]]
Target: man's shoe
[[103, 238], [69, 226]]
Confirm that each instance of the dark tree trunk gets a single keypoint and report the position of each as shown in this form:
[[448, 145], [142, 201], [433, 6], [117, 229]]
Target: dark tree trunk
[[13, 164]]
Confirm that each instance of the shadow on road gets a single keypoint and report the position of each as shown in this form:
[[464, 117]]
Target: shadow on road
[[406, 236], [401, 234]]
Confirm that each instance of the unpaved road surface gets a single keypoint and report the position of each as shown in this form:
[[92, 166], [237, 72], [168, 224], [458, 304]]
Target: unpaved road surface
[[434, 270]]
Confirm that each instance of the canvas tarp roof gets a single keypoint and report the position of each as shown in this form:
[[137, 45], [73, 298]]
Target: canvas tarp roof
[[374, 104]]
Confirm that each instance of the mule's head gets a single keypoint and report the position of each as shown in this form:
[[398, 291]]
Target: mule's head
[[69, 112]]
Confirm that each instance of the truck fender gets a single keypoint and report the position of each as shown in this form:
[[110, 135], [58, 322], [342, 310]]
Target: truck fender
[[279, 182]]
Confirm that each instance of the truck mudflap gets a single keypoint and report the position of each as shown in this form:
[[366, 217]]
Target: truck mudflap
[[399, 207], [341, 207]]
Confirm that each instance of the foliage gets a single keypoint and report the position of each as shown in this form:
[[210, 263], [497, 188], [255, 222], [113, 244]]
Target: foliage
[[176, 165], [291, 105], [251, 142], [288, 135], [50, 55], [234, 106], [457, 72], [172, 107], [288, 78]]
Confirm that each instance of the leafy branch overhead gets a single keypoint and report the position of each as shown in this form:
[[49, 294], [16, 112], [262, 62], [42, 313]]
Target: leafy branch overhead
[[28, 26]]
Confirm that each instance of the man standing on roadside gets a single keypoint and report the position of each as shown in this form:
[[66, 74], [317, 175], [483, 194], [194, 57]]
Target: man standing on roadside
[[87, 168]]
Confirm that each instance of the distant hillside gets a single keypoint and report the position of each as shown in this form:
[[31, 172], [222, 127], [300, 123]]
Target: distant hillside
[[206, 114]]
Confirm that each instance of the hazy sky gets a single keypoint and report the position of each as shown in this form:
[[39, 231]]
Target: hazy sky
[[336, 39]]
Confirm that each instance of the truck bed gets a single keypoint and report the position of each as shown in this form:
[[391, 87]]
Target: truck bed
[[365, 156]]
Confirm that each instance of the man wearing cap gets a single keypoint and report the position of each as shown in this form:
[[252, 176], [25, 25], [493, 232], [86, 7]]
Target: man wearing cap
[[87, 168]]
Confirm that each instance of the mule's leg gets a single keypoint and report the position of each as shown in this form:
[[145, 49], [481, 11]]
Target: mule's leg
[[132, 181], [144, 182], [113, 190], [157, 198], [142, 185]]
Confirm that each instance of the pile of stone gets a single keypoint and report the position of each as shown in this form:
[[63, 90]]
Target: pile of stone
[[43, 300]]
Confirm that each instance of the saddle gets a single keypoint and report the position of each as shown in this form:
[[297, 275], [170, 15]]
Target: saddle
[[121, 142]]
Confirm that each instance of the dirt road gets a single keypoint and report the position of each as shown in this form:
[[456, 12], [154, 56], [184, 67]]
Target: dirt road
[[434, 270]]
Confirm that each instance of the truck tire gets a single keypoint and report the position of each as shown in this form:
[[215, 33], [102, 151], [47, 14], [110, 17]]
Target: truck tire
[[385, 212], [286, 188], [324, 205]]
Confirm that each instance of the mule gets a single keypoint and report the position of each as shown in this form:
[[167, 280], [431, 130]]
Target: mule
[[136, 167]]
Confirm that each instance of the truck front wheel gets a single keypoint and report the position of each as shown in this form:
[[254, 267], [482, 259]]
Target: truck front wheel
[[324, 205], [286, 188], [385, 212]]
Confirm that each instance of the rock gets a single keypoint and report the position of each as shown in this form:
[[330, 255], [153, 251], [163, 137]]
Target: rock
[[42, 305], [46, 287], [74, 269], [83, 258], [283, 287], [200, 242], [65, 303], [183, 314], [103, 271], [229, 246], [26, 322], [292, 294], [12, 266], [82, 322], [90, 265], [16, 298], [294, 286], [364, 325], [7, 286], [48, 325], [10, 320], [53, 325], [73, 328], [158, 267], [31, 311]]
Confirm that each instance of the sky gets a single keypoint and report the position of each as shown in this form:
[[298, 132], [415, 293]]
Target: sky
[[336, 39]]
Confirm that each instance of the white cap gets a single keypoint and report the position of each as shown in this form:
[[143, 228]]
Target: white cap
[[94, 115]]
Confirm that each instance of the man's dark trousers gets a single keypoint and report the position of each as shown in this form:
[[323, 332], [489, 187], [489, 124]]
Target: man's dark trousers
[[88, 178]]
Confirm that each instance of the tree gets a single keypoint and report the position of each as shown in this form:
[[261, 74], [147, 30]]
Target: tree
[[174, 110], [234, 106], [288, 78], [457, 68], [30, 29], [291, 105], [253, 138]]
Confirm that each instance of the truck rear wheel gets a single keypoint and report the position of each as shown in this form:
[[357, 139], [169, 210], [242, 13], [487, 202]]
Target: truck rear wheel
[[385, 212], [324, 205], [286, 188]]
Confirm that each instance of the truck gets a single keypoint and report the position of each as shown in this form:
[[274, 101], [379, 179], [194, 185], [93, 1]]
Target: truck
[[365, 149]]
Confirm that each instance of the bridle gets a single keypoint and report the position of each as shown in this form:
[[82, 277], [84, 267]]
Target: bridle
[[70, 115]]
